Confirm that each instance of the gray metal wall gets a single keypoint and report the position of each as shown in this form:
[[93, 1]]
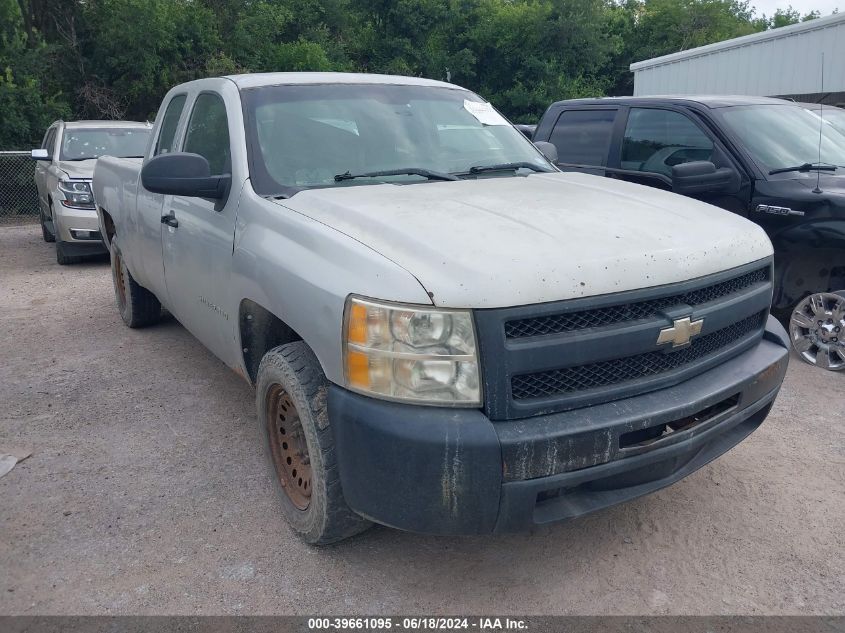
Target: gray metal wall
[[785, 61]]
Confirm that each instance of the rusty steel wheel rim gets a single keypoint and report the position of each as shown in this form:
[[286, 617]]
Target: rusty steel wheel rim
[[288, 447], [119, 281]]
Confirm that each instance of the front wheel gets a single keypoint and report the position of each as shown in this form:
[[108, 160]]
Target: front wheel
[[62, 258], [817, 330], [45, 232], [291, 399]]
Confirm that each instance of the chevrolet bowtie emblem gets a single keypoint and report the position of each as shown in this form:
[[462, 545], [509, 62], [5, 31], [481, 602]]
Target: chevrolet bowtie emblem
[[681, 332]]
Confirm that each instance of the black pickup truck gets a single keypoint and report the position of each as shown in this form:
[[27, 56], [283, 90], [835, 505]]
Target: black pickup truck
[[770, 160]]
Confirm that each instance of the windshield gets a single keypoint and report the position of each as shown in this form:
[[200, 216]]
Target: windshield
[[782, 136], [85, 143], [834, 117], [307, 135]]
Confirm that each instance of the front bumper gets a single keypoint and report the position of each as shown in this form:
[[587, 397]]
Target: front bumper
[[453, 471], [78, 226]]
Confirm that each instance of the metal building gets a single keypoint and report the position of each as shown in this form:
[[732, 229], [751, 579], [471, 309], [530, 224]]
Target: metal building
[[784, 62]]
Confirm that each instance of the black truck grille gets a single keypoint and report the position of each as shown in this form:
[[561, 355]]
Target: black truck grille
[[540, 359], [598, 317], [595, 375]]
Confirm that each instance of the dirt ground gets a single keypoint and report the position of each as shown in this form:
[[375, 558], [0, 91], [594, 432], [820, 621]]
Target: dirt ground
[[147, 493]]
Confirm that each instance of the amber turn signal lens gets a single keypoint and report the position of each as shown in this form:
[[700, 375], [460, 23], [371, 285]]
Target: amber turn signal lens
[[358, 369], [357, 332]]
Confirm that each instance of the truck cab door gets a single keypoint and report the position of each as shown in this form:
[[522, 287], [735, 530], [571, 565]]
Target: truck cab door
[[146, 228], [197, 236]]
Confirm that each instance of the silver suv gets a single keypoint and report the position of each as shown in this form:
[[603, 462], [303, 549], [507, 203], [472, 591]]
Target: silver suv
[[63, 174]]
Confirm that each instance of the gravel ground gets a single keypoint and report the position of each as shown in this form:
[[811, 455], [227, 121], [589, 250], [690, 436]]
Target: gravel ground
[[147, 493]]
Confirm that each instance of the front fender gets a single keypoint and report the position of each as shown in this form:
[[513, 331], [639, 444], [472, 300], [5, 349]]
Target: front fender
[[302, 271]]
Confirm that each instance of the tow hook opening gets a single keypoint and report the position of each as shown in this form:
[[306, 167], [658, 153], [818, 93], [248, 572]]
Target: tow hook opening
[[653, 434]]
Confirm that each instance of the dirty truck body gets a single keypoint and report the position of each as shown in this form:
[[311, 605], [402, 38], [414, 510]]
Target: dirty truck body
[[452, 350]]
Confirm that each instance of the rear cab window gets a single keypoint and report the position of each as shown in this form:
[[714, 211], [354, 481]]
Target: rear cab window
[[583, 137]]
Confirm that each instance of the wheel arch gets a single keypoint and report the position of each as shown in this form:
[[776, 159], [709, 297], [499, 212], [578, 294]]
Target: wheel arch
[[260, 330], [809, 258], [107, 227]]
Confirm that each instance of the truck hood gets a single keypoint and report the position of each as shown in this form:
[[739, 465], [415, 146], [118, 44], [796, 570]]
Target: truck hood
[[78, 168], [498, 242]]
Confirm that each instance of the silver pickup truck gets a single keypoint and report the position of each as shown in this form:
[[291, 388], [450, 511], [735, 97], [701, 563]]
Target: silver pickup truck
[[445, 333]]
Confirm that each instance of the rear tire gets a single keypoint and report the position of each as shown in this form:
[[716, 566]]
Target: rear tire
[[291, 395], [138, 306]]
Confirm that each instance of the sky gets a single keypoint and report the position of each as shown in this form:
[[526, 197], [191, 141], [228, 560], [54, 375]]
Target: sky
[[825, 7]]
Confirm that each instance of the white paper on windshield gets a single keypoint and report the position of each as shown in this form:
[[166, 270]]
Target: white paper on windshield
[[485, 113]]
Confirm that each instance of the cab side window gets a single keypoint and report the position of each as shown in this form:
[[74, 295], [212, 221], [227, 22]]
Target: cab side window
[[582, 137], [49, 141], [167, 135], [657, 140], [208, 133]]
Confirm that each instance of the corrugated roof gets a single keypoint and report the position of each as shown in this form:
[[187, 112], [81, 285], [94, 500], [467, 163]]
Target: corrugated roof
[[738, 42]]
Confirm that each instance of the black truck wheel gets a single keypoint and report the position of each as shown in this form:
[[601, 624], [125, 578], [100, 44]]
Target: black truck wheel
[[45, 232], [291, 399], [138, 306], [63, 258]]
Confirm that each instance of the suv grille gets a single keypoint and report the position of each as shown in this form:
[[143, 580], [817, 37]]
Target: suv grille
[[609, 315], [595, 375]]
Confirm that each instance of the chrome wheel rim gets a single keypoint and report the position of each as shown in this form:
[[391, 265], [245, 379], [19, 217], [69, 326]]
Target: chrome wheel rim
[[817, 330]]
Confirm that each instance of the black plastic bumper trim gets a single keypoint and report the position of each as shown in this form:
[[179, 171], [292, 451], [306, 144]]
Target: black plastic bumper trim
[[447, 471]]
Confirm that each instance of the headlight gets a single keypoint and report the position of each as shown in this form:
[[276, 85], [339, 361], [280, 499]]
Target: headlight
[[411, 353], [77, 193]]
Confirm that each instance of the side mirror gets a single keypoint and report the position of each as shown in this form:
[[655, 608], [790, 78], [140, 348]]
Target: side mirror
[[40, 154], [526, 129], [701, 176], [548, 150], [183, 174]]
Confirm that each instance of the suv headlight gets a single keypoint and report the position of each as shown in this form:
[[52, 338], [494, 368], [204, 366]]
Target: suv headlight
[[77, 193], [411, 353]]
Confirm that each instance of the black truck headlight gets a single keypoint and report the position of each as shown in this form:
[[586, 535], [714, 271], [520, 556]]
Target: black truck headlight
[[77, 194]]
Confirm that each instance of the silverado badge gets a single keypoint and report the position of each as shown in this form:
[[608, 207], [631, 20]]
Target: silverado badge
[[681, 332]]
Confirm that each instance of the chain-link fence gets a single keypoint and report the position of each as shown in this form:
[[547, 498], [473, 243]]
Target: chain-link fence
[[18, 195]]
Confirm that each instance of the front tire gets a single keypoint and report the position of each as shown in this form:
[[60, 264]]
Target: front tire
[[138, 306], [817, 330], [291, 395], [45, 232], [64, 259]]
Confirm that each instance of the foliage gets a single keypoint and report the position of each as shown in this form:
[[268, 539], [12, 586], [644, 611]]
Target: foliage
[[117, 58]]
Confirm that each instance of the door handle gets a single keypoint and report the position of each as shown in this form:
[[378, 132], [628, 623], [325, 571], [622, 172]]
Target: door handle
[[170, 220]]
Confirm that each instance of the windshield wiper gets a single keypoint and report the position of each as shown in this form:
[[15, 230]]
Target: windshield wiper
[[479, 169], [805, 167], [408, 171]]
